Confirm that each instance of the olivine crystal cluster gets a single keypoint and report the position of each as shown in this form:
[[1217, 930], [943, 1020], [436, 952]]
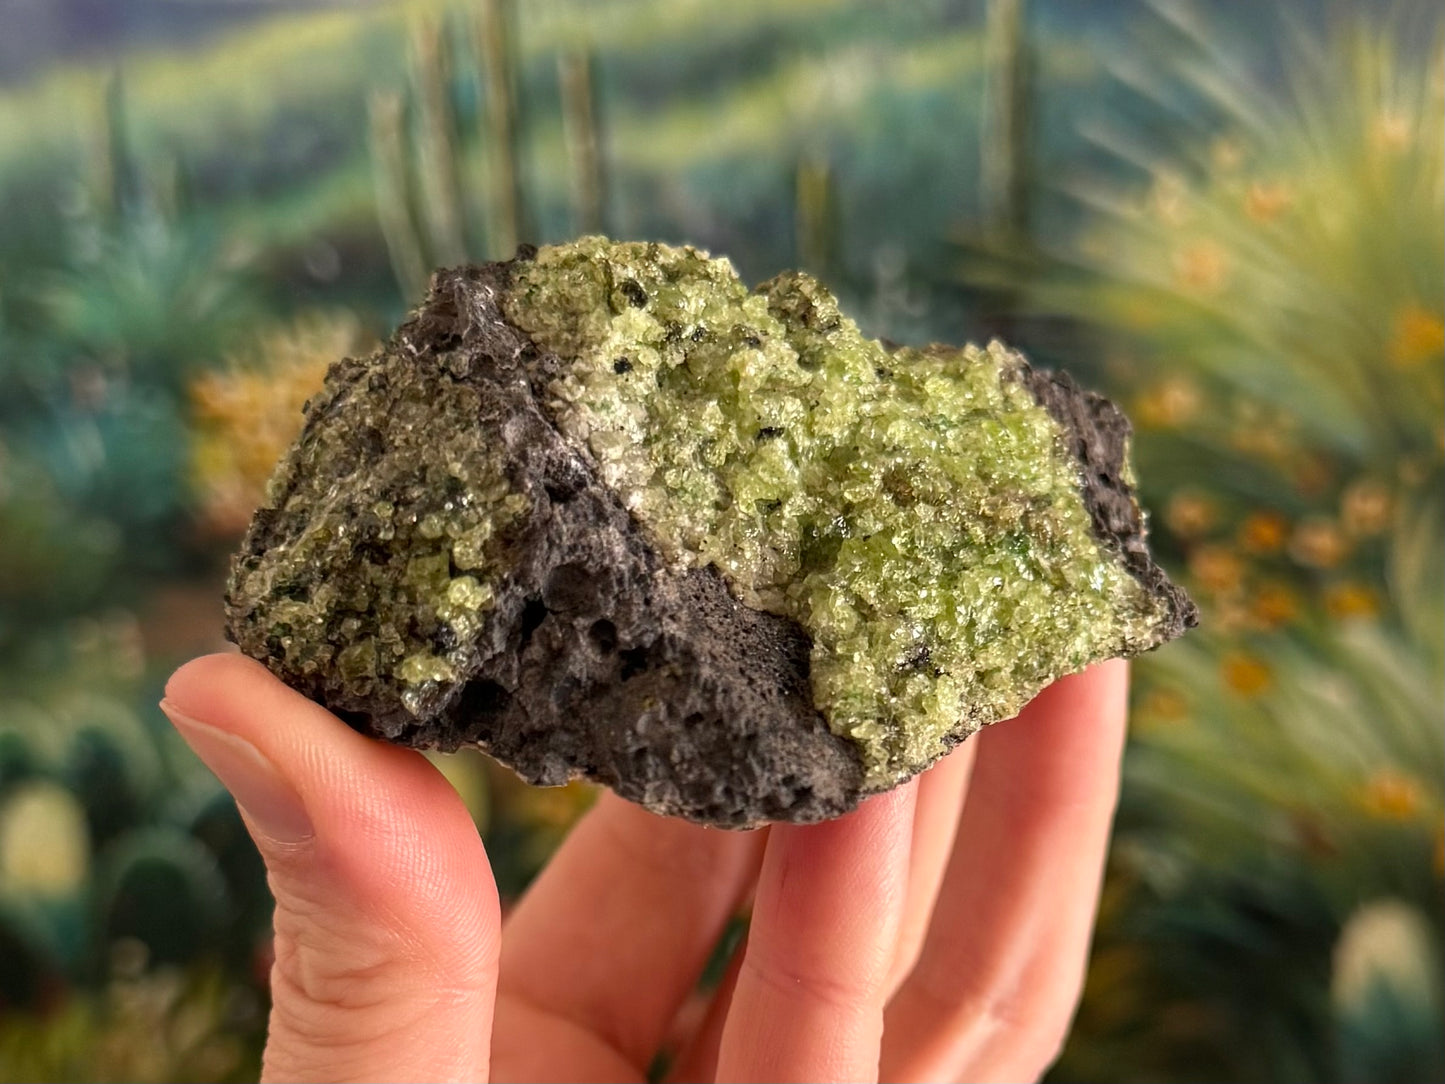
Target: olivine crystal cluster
[[605, 511]]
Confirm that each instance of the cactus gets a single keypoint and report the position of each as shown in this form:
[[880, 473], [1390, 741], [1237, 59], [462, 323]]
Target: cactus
[[816, 226], [115, 183], [391, 178], [420, 151], [438, 171], [1005, 180], [577, 84], [501, 132], [124, 188]]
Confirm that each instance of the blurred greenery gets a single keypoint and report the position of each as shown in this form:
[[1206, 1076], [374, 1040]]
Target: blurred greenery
[[1230, 219]]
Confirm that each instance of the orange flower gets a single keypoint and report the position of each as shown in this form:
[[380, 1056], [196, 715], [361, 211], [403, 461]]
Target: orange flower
[[1390, 795], [1216, 568], [1170, 403], [1319, 543], [1417, 335], [1203, 267], [1265, 200], [1162, 706], [1273, 605], [1227, 155], [1190, 514], [1246, 675], [1366, 506], [1264, 532]]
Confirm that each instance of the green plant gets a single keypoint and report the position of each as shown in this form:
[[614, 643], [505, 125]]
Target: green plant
[[1271, 305], [429, 207]]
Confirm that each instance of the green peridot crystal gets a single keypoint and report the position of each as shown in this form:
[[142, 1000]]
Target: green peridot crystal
[[916, 511], [603, 511], [384, 592]]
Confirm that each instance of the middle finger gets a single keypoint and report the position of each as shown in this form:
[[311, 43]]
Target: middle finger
[[611, 938]]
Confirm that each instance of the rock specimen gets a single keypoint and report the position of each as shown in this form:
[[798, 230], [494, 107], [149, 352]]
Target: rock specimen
[[606, 512]]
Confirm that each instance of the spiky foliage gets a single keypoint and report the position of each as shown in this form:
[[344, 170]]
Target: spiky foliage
[[133, 909], [94, 351], [151, 1027], [1274, 299], [246, 413]]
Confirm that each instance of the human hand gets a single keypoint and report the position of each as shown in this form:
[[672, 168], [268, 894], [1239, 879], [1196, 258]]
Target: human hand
[[939, 932]]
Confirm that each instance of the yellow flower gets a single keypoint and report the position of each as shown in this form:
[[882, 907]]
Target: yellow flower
[[44, 841], [1417, 335], [1349, 600], [1203, 267], [247, 414], [1391, 131]]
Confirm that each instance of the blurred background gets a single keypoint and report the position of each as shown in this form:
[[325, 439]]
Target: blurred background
[[1227, 216]]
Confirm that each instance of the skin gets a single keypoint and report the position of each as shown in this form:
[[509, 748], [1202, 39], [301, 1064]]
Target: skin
[[939, 932]]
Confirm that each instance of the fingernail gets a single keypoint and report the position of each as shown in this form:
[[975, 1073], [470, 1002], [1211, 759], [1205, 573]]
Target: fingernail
[[269, 802]]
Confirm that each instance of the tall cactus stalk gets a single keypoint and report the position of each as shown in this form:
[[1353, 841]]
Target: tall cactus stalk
[[438, 172], [815, 218], [420, 165], [581, 131], [391, 178], [126, 187], [507, 220], [1005, 181], [116, 182]]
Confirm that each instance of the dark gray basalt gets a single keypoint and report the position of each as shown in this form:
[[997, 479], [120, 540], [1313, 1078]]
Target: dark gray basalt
[[1098, 434], [596, 660], [583, 651]]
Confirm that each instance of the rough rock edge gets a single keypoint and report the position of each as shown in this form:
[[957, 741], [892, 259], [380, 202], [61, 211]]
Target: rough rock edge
[[461, 309], [598, 660], [1098, 434]]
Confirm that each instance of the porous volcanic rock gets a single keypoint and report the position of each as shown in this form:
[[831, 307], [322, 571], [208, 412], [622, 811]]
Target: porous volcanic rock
[[605, 512]]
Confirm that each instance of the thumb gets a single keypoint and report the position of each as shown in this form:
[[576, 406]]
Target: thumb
[[387, 925]]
